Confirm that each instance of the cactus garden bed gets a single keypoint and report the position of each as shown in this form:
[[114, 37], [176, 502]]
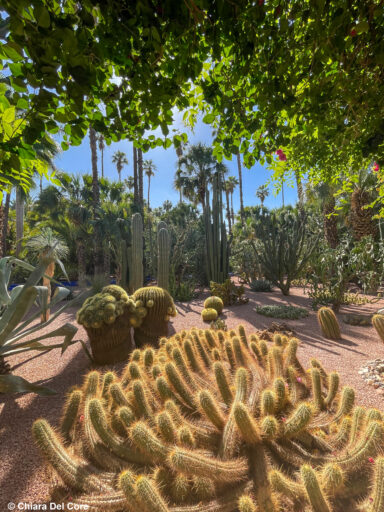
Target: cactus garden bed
[[24, 477]]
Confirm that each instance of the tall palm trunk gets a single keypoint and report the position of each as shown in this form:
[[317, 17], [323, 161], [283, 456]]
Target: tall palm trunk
[[19, 219], [330, 222], [140, 179], [81, 261], [49, 272], [232, 212], [135, 181], [228, 211], [102, 162], [4, 232], [240, 188], [98, 269]]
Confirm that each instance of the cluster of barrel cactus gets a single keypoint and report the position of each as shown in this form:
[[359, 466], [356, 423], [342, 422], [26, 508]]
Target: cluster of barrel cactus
[[216, 421], [328, 323], [213, 307], [109, 315]]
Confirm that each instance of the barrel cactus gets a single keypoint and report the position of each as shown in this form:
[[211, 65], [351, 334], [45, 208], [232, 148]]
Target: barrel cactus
[[328, 323], [378, 324], [209, 315], [160, 308], [215, 303], [108, 317], [216, 421]]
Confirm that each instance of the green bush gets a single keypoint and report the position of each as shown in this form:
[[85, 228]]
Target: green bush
[[291, 312], [228, 292], [261, 285]]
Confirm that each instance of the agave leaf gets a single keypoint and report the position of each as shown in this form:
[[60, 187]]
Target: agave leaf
[[28, 346], [16, 384], [14, 314], [61, 265]]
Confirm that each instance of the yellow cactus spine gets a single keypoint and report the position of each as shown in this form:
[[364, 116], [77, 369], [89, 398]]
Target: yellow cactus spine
[[328, 323]]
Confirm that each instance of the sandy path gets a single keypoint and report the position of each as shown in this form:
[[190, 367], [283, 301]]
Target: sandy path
[[22, 475]]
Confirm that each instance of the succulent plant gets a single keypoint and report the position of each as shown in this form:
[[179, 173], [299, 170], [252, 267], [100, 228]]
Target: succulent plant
[[107, 317], [328, 323], [209, 315], [378, 324], [216, 421], [215, 303], [163, 253], [160, 308]]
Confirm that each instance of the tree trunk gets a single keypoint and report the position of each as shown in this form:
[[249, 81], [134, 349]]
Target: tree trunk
[[140, 176], [240, 189], [19, 219], [50, 272], [232, 212], [1, 228], [98, 259], [81, 262], [4, 232], [102, 162], [330, 223], [300, 191], [107, 261], [135, 182], [228, 211]]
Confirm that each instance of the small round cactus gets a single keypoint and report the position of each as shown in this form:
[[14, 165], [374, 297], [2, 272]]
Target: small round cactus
[[209, 315], [215, 303], [378, 324]]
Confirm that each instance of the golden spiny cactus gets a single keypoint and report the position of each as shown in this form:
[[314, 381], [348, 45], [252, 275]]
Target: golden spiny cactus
[[217, 422]]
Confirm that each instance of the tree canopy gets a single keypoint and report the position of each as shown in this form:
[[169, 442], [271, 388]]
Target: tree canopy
[[302, 76]]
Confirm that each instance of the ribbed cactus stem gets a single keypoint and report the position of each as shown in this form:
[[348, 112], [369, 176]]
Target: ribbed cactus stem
[[149, 496], [108, 378], [368, 446], [148, 358], [181, 365], [211, 409], [118, 396], [316, 388], [314, 493], [257, 352], [230, 354], [71, 410], [191, 356], [268, 402], [163, 263], [358, 420], [237, 349], [269, 427], [141, 401], [342, 436], [127, 483], [328, 323], [246, 504], [179, 384], [126, 416], [332, 478], [243, 335], [333, 386], [298, 421], [193, 463], [275, 361], [346, 402], [203, 488], [147, 442], [280, 392], [282, 484], [247, 426], [166, 427], [223, 383], [186, 438], [378, 324], [91, 385], [374, 415], [163, 388], [136, 274], [180, 489], [377, 504]]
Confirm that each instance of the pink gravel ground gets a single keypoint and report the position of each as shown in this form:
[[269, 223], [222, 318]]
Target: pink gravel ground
[[22, 473]]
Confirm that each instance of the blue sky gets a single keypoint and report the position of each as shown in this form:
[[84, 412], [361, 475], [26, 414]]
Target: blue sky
[[77, 160]]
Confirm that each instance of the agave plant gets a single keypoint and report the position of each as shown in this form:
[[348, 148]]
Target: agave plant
[[17, 321]]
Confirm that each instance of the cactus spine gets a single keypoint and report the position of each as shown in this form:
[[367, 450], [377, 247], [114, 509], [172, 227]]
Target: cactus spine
[[328, 323], [136, 273], [163, 254], [179, 427]]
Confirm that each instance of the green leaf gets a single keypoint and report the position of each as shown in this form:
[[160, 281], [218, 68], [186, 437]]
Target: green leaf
[[16, 384], [209, 118], [42, 16], [9, 115], [22, 104]]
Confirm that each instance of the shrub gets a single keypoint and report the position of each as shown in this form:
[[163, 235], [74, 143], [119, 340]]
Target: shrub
[[188, 427], [228, 292], [261, 285], [292, 312], [219, 325]]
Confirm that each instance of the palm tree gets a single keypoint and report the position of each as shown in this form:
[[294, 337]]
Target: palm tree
[[232, 184], [227, 188], [136, 195], [5, 213], [130, 182], [120, 159], [101, 147], [50, 247], [262, 193], [149, 168], [240, 189], [98, 269], [177, 185], [140, 180], [300, 191], [198, 166]]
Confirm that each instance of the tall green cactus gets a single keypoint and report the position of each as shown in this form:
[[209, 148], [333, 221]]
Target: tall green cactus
[[217, 251], [136, 272], [163, 254], [207, 423]]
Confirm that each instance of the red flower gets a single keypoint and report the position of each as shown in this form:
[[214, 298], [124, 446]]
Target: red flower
[[376, 167], [281, 154], [81, 418], [353, 33], [299, 379], [370, 499], [371, 460], [283, 419]]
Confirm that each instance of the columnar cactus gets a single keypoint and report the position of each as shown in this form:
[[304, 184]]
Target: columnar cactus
[[108, 317], [328, 323], [163, 253], [378, 324], [215, 421], [136, 273], [160, 308]]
